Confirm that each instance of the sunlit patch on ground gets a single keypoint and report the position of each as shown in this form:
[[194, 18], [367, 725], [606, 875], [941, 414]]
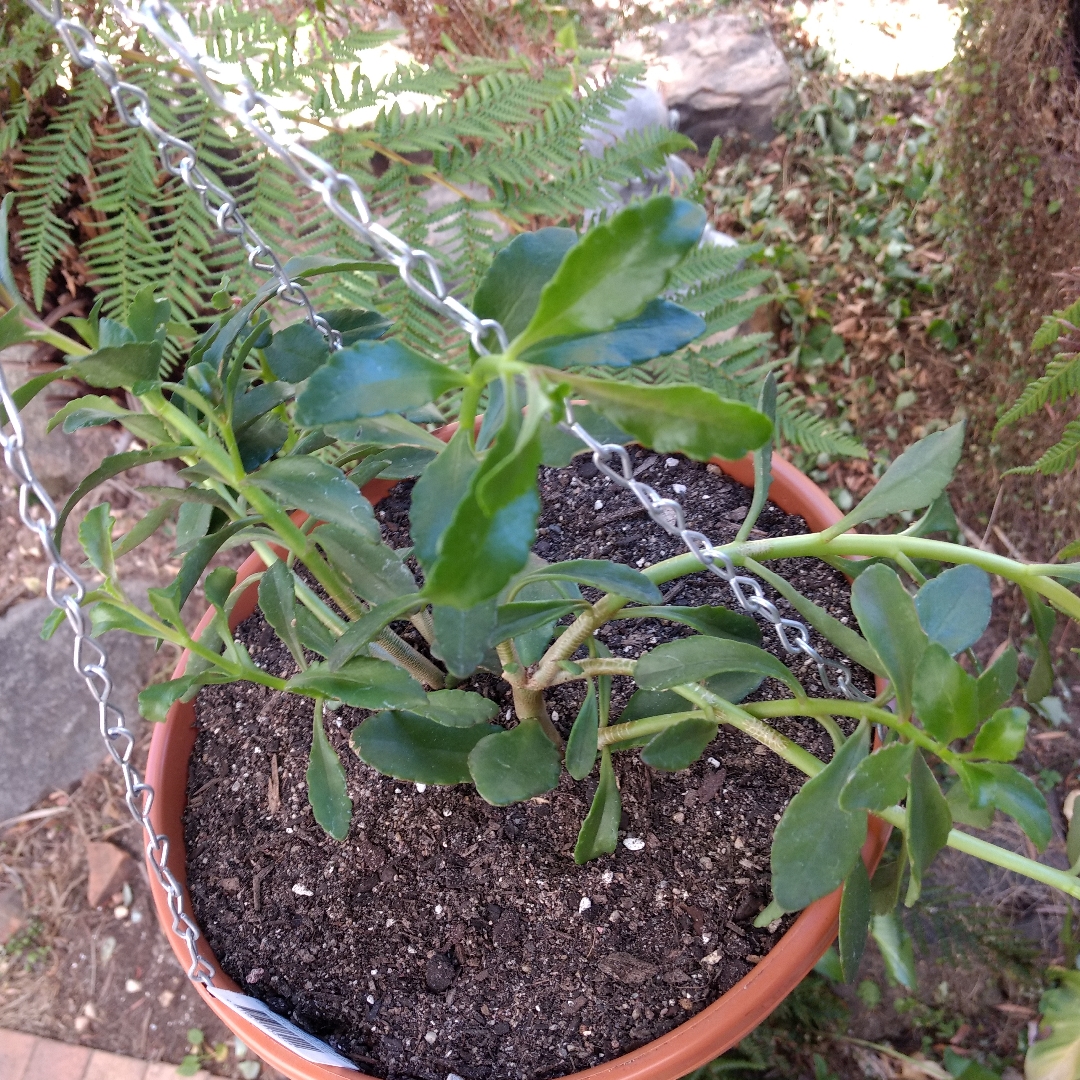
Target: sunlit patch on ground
[[888, 38]]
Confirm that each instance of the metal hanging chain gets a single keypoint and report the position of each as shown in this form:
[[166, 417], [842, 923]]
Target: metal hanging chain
[[260, 116], [669, 515], [178, 158], [90, 662]]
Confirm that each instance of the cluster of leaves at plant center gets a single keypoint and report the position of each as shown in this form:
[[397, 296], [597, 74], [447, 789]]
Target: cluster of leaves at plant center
[[279, 434]]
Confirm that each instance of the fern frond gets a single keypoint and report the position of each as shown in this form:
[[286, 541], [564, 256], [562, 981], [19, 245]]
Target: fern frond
[[1061, 381], [1059, 458], [816, 434]]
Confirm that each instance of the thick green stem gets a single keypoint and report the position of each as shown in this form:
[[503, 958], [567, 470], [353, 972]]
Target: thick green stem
[[571, 639], [528, 700], [651, 725], [728, 713], [606, 665]]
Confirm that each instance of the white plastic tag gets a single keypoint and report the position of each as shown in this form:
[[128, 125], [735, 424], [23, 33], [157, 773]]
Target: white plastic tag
[[281, 1030]]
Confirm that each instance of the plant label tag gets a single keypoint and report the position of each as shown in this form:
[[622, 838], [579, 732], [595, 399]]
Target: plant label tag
[[280, 1030]]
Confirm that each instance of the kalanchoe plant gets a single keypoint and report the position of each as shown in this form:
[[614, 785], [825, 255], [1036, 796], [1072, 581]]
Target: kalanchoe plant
[[279, 434]]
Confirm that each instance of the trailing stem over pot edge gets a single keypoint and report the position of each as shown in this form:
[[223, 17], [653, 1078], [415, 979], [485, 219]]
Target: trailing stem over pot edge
[[272, 422]]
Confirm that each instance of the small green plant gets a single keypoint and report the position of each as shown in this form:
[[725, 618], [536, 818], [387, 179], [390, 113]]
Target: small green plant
[[200, 1055], [279, 433], [28, 946]]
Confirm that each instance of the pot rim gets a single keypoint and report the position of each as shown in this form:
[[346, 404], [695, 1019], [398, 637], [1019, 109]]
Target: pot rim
[[695, 1041]]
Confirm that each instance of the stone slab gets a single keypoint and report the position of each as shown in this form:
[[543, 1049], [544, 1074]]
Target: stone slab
[[15, 1051], [48, 720], [722, 75]]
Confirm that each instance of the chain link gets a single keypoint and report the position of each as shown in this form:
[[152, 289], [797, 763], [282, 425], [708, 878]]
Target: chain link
[[90, 661], [793, 635], [420, 273]]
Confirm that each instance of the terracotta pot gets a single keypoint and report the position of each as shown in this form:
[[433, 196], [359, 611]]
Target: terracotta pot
[[696, 1041]]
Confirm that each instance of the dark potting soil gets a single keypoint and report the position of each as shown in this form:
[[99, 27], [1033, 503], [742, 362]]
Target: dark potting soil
[[446, 936]]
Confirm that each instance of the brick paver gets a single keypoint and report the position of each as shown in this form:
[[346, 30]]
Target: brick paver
[[15, 1049], [56, 1061], [103, 1066], [28, 1057]]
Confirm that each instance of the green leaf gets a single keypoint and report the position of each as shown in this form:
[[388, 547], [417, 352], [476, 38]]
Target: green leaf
[[364, 630], [306, 483], [370, 378], [712, 621], [458, 708], [688, 420], [645, 703], [890, 624], [118, 365], [887, 879], [374, 571], [1072, 841], [436, 495], [110, 467], [843, 637], [660, 329], [218, 585], [260, 441], [928, 823], [612, 577], [389, 430], [277, 599], [766, 404], [192, 524], [996, 684], [312, 633], [945, 696], [364, 683], [880, 781], [954, 607], [511, 766], [914, 480], [963, 812], [462, 635], [480, 554], [1056, 1056], [156, 700], [510, 290], [144, 528], [854, 920], [599, 834], [581, 746], [615, 270], [327, 792], [939, 518], [1041, 680], [816, 843], [53, 621], [95, 536], [500, 482], [198, 557], [258, 402], [679, 746], [147, 315], [525, 616], [105, 617], [94, 410], [1007, 789], [692, 659], [410, 747], [296, 352], [896, 949], [1001, 738], [358, 324]]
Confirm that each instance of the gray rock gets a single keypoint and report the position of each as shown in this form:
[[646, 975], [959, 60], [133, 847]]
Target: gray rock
[[721, 76], [644, 109], [48, 720]]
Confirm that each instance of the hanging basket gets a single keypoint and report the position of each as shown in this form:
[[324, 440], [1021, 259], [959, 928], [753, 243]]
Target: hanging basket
[[693, 1043]]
